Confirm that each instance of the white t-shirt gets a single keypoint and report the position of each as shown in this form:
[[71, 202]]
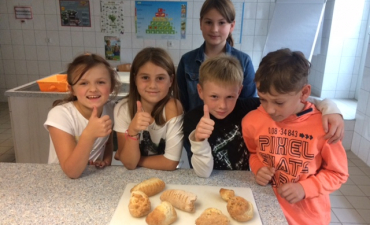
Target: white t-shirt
[[156, 140], [67, 118]]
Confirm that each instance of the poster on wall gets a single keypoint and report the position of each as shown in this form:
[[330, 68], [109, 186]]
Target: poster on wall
[[112, 48], [112, 20], [75, 13], [160, 20]]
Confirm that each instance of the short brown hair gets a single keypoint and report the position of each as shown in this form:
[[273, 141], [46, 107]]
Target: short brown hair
[[223, 69], [284, 70]]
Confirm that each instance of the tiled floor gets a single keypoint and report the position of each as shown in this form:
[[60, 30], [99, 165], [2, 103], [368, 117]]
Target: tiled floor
[[350, 204]]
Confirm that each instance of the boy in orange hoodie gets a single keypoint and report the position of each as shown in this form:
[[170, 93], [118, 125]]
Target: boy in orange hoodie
[[285, 138]]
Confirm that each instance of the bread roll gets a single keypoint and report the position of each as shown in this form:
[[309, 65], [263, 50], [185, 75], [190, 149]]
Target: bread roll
[[150, 187], [163, 214], [180, 199], [226, 194], [139, 204], [212, 216], [240, 209]]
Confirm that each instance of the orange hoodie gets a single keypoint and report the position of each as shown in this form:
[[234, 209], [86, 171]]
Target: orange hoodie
[[296, 148]]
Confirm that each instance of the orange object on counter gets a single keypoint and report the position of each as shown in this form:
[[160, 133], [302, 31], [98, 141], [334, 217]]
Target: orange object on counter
[[55, 83]]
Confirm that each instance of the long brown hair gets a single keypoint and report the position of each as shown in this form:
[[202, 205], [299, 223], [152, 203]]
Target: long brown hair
[[80, 65], [161, 58], [225, 8]]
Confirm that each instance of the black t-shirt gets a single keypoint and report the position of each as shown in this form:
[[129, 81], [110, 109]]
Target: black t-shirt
[[228, 148]]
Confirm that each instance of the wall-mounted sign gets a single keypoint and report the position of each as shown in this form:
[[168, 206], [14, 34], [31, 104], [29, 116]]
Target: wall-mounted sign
[[22, 12], [75, 13]]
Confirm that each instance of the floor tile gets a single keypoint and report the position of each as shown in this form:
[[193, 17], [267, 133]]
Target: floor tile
[[360, 180], [365, 213], [359, 202], [359, 162], [365, 190], [334, 218], [340, 202], [351, 190], [348, 216], [366, 170], [355, 171], [337, 192]]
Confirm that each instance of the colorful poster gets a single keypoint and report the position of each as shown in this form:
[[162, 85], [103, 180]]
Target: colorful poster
[[112, 20], [75, 13], [112, 48], [160, 20]]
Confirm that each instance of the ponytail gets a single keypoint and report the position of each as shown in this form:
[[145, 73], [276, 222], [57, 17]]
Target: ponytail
[[230, 40]]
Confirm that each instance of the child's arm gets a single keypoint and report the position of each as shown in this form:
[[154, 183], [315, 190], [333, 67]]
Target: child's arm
[[174, 140], [128, 143], [202, 159], [108, 153], [333, 172], [332, 119], [73, 157]]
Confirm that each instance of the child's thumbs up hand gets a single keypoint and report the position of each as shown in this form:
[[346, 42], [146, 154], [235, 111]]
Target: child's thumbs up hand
[[264, 175], [99, 127], [141, 120], [205, 126]]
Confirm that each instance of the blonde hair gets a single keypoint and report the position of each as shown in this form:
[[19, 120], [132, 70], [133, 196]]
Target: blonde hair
[[224, 69], [284, 70], [80, 65], [161, 58], [225, 8]]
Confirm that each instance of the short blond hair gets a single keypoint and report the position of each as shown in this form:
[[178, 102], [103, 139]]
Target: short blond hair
[[222, 69]]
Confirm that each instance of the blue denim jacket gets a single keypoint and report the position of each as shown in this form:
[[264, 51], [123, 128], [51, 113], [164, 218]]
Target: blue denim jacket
[[188, 75]]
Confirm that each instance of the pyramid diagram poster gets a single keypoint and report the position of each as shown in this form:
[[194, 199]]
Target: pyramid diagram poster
[[160, 20]]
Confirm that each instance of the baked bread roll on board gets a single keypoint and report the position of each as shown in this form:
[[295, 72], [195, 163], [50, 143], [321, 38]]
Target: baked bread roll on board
[[164, 214], [150, 187], [139, 204], [240, 209], [226, 194], [180, 199], [212, 216]]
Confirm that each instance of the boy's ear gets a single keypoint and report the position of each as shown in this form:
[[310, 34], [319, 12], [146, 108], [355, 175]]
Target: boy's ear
[[306, 92], [200, 91], [240, 90]]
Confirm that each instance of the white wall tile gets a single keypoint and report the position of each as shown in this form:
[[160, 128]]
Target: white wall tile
[[261, 27], [363, 100], [30, 52], [89, 39], [44, 68], [52, 38], [346, 65], [77, 38], [9, 69], [66, 53], [196, 27], [15, 24], [7, 52], [38, 7], [54, 53], [330, 82], [50, 7], [51, 22], [21, 79], [360, 120], [17, 38], [197, 41], [32, 67], [28, 37], [27, 25], [347, 140], [249, 27], [21, 67], [76, 51], [5, 37], [364, 149], [11, 81], [4, 25], [332, 64], [18, 52], [341, 94], [262, 10], [250, 10], [65, 38], [39, 22], [3, 7], [349, 47], [40, 37], [42, 52], [327, 94], [355, 146], [56, 67]]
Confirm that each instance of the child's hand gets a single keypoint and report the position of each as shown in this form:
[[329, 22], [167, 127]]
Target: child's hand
[[141, 120], [334, 127], [205, 126], [99, 127], [101, 164], [292, 192], [264, 175]]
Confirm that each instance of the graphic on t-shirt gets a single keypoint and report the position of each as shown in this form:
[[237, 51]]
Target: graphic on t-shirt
[[147, 147], [221, 150], [290, 156]]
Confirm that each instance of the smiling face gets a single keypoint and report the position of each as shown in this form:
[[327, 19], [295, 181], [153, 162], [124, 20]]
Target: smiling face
[[92, 89], [153, 84], [215, 28], [281, 106], [220, 99]]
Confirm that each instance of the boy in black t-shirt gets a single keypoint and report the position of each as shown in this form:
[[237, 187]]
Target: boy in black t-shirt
[[212, 133]]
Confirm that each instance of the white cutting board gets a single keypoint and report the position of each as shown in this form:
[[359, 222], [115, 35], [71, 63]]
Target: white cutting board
[[207, 196]]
